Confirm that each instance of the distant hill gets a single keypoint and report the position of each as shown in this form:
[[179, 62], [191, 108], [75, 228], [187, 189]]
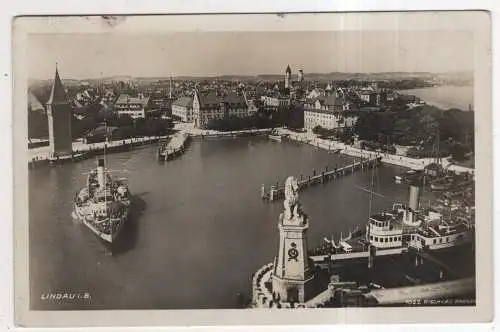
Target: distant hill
[[332, 76]]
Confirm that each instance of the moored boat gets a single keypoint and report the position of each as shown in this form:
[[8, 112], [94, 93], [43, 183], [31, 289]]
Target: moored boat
[[403, 227]]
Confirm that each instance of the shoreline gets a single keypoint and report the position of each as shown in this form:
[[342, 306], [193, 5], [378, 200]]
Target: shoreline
[[422, 94], [402, 161]]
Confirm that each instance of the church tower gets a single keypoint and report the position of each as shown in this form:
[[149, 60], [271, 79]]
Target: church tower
[[59, 117], [292, 277], [300, 76], [288, 77]]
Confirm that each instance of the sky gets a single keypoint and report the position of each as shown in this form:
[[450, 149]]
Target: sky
[[192, 53]]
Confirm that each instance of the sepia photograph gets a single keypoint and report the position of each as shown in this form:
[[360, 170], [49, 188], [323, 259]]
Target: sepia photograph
[[188, 162]]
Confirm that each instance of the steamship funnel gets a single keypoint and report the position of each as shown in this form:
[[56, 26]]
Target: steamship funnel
[[415, 187]]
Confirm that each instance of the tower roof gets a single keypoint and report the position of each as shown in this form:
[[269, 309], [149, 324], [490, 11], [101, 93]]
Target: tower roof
[[58, 93], [288, 70]]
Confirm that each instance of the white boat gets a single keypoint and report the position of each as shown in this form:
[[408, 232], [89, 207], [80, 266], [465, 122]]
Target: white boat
[[408, 226]]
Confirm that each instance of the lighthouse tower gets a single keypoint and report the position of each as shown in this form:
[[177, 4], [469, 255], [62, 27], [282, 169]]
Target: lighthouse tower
[[59, 118], [288, 77], [292, 277]]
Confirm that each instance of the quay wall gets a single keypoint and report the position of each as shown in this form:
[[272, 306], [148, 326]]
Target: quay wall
[[41, 156], [402, 161]]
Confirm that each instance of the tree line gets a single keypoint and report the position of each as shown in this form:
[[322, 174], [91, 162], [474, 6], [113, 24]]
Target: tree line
[[424, 128]]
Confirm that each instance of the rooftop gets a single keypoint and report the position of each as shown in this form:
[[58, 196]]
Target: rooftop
[[184, 102], [127, 99]]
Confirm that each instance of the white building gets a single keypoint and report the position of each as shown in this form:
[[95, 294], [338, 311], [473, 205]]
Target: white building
[[328, 112], [275, 101], [183, 108], [135, 107]]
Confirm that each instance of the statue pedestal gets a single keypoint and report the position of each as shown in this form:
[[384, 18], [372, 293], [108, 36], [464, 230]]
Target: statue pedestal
[[292, 278]]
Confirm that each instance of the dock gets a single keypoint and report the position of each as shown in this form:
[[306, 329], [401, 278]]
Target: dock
[[277, 192], [175, 147]]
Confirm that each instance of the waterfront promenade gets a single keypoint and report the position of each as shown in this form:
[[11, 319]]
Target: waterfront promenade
[[79, 147], [403, 161], [189, 128]]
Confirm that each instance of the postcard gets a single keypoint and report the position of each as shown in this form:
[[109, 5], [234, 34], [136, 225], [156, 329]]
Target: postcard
[[314, 168]]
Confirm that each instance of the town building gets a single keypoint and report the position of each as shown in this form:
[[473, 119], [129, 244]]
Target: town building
[[182, 108], [218, 106], [59, 119], [276, 101], [330, 112], [235, 105], [135, 107], [206, 108]]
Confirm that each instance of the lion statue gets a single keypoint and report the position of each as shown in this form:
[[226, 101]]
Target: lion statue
[[292, 205]]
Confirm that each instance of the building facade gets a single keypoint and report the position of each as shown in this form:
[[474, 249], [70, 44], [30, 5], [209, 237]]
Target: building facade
[[235, 105], [275, 101], [59, 120], [206, 108], [183, 109], [135, 107], [216, 106], [329, 112]]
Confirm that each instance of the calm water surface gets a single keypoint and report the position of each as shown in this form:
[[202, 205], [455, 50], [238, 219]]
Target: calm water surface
[[446, 96], [199, 229]]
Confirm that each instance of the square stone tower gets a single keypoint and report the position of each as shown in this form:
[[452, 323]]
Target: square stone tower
[[59, 118]]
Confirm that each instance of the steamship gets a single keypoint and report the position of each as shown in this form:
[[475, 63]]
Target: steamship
[[404, 227], [103, 205]]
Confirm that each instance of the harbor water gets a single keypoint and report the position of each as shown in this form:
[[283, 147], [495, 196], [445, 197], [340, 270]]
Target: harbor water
[[198, 230]]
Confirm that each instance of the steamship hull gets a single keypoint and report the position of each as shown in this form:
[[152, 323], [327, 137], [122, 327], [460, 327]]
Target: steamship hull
[[103, 205], [90, 223]]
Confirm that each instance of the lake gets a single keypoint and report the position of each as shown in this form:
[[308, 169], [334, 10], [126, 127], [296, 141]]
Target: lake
[[446, 96], [198, 229]]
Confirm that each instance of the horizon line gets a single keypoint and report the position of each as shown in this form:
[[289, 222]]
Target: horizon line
[[254, 75]]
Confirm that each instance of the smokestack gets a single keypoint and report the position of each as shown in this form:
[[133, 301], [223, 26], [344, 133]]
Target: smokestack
[[100, 172], [170, 90], [414, 200]]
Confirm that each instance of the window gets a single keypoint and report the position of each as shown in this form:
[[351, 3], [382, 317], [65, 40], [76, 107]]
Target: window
[[371, 237], [434, 241], [386, 240], [376, 239]]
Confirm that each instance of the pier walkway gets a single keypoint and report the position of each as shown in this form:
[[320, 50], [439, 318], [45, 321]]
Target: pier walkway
[[403, 161], [174, 147], [278, 192], [207, 133]]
